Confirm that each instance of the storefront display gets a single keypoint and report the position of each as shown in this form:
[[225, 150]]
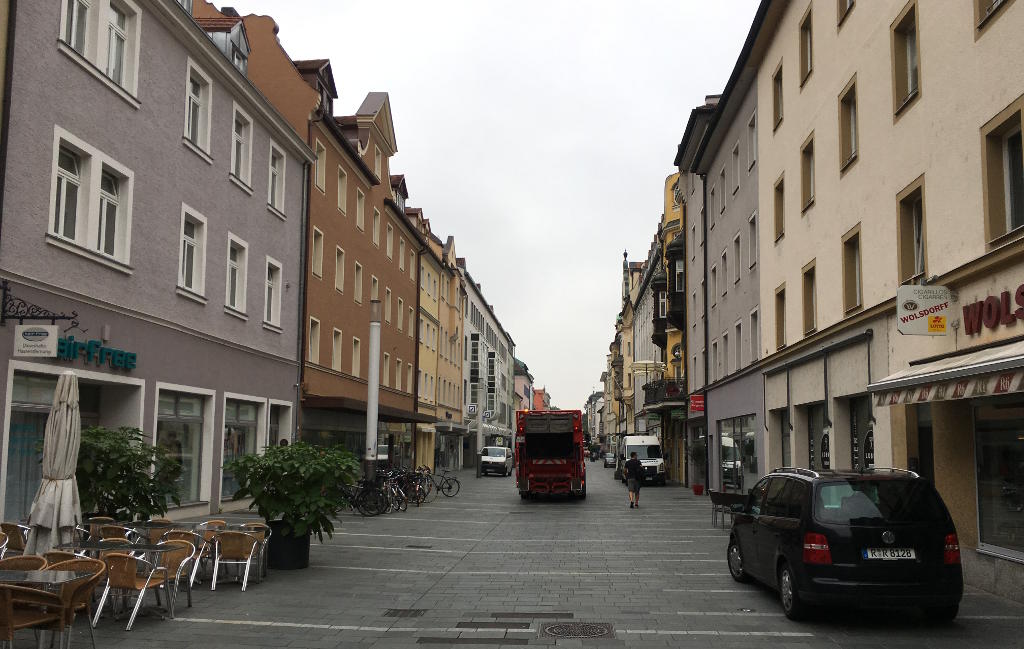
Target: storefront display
[[738, 456], [239, 439], [999, 438], [179, 429]]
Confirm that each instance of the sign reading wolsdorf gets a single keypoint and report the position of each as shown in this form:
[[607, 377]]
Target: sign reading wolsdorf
[[923, 310], [993, 312]]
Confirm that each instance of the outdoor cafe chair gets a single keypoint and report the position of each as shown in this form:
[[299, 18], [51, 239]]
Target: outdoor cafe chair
[[178, 562], [28, 608], [115, 532], [58, 556], [198, 543], [17, 537], [262, 532], [153, 534], [77, 595], [115, 545], [208, 530], [3, 544], [237, 548], [124, 576], [23, 562], [95, 523]]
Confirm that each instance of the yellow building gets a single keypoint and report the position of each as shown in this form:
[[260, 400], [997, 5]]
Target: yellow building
[[673, 397], [429, 328], [448, 394]]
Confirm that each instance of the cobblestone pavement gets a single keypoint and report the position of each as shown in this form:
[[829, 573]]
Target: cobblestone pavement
[[488, 569]]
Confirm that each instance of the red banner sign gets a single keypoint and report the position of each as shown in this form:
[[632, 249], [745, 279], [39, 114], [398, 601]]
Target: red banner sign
[[696, 403]]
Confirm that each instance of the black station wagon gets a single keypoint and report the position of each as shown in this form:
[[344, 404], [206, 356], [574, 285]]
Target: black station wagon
[[878, 538]]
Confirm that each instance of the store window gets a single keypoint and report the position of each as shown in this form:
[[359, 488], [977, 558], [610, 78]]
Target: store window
[[31, 400], [239, 439], [738, 457], [818, 448], [179, 429], [862, 435], [999, 453]]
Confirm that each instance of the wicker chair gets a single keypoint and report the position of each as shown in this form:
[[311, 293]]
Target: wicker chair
[[237, 548], [3, 544], [28, 608], [153, 534], [262, 532], [77, 595], [58, 556], [23, 562], [95, 523], [177, 562], [17, 537], [115, 545], [197, 541], [115, 532], [123, 576]]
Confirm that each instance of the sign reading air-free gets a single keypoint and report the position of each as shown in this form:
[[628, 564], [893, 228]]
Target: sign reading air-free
[[923, 310], [93, 351]]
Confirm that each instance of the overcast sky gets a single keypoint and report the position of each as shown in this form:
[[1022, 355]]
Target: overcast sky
[[538, 133]]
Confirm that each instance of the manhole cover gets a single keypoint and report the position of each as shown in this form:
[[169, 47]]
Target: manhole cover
[[578, 630]]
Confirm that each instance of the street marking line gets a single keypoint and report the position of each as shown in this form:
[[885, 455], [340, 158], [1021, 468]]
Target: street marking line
[[990, 617], [511, 552], [325, 546], [350, 627], [446, 538], [694, 590], [769, 634], [702, 574], [728, 613], [543, 573]]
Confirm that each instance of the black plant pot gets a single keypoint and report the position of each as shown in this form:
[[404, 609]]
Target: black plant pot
[[287, 552]]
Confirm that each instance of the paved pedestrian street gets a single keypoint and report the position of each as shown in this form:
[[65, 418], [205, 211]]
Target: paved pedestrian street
[[488, 569]]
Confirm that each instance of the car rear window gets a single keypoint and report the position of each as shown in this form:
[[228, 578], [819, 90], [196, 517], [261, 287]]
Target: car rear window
[[491, 451], [867, 502]]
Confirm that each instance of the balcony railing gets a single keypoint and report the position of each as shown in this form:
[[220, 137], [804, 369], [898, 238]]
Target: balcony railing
[[657, 392]]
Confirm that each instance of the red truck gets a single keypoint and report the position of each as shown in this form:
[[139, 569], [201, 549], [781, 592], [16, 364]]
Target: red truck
[[550, 454]]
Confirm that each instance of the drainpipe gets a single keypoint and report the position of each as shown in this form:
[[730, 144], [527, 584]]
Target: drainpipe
[[707, 327], [303, 302], [5, 127]]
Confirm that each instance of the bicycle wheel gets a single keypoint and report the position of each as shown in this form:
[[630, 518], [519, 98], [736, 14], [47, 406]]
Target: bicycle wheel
[[369, 502], [431, 490], [450, 487]]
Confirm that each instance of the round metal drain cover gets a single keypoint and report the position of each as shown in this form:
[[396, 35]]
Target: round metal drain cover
[[578, 630]]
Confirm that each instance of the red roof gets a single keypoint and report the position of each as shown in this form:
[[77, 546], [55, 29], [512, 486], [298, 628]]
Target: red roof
[[223, 24]]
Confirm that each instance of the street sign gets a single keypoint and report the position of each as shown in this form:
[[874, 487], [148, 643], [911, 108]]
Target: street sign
[[471, 409], [923, 310], [488, 414]]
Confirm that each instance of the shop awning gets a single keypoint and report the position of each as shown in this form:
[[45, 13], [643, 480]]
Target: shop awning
[[384, 413], [983, 373]]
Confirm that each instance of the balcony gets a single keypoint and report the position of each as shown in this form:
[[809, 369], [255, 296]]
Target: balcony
[[675, 256], [659, 285], [664, 391]]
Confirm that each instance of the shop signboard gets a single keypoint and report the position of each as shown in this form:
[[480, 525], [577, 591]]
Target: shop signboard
[[653, 419], [96, 353], [37, 341], [678, 414], [697, 403], [471, 409], [991, 312], [923, 310]]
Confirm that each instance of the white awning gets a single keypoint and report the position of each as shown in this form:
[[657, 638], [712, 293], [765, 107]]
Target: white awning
[[986, 372]]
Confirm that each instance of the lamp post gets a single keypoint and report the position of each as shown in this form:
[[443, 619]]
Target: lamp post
[[372, 392]]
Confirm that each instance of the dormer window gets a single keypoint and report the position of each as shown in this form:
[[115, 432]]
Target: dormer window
[[239, 59]]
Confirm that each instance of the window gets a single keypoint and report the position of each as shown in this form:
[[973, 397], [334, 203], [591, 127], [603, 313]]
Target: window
[[852, 294], [68, 186], [339, 269], [272, 294], [680, 278], [906, 75], [357, 289], [806, 48], [843, 8], [375, 234], [342, 190], [314, 341], [117, 39], [715, 370], [721, 183], [238, 265], [377, 161], [738, 344], [321, 166], [777, 96], [807, 173], [76, 25], [411, 320], [398, 374], [714, 285], [374, 288], [275, 184], [412, 265], [1003, 172], [241, 147], [387, 305], [401, 253], [385, 376], [693, 309], [752, 141], [356, 357], [810, 299], [408, 377], [179, 428], [736, 168], [389, 241], [726, 368], [848, 124], [755, 337], [910, 238], [985, 11], [725, 272], [780, 316], [710, 207], [338, 340], [317, 253], [109, 206], [198, 106], [780, 208], [192, 261], [752, 240], [401, 314], [104, 36], [997, 447], [662, 304], [360, 210]]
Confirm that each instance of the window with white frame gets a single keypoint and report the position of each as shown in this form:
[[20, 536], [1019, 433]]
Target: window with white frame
[[408, 377], [662, 304], [387, 305], [752, 141], [398, 374], [752, 240], [411, 320], [389, 241], [377, 161], [755, 337], [401, 253], [272, 293], [680, 279], [376, 227], [198, 105], [360, 209], [357, 289], [342, 190], [241, 146], [385, 375], [77, 15], [91, 199], [105, 33], [192, 255], [314, 341], [374, 288], [321, 166], [317, 256], [336, 345], [339, 269], [117, 43], [356, 356], [237, 271], [401, 313], [275, 184]]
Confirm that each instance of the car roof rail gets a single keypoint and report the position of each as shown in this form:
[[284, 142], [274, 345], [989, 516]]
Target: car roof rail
[[890, 469], [797, 470]]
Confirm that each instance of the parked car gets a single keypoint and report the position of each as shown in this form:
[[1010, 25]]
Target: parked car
[[609, 460], [496, 459], [882, 537]]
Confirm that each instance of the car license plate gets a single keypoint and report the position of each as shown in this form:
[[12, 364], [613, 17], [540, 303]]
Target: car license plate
[[888, 554]]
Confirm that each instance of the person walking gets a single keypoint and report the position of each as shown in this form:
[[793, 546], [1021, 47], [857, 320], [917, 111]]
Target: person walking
[[634, 476]]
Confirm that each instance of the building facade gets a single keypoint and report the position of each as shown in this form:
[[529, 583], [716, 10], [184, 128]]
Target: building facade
[[450, 429], [169, 241]]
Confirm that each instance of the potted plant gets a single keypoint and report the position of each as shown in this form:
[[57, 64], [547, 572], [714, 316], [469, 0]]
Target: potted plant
[[296, 489], [122, 475], [699, 457]]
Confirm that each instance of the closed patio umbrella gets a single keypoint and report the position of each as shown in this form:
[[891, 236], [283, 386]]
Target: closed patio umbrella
[[56, 508]]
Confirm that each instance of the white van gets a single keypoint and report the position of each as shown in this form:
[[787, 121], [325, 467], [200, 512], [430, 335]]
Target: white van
[[648, 451]]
